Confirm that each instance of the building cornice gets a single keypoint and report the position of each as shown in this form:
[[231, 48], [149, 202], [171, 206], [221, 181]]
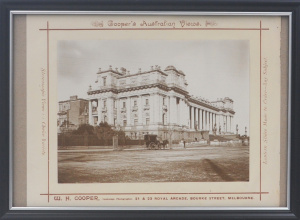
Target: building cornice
[[141, 73], [110, 71], [198, 102], [178, 90], [121, 90], [80, 99]]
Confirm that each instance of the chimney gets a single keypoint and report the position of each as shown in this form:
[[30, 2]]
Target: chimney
[[73, 98]]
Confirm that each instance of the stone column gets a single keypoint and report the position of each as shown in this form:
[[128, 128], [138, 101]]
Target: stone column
[[204, 120], [168, 112], [183, 115], [99, 108], [90, 113], [158, 108], [201, 119], [198, 112], [232, 124], [186, 114], [151, 110], [128, 110], [192, 118], [212, 121], [178, 111], [110, 111], [173, 110], [140, 110], [216, 120], [226, 123], [208, 121], [229, 123], [119, 121], [197, 118]]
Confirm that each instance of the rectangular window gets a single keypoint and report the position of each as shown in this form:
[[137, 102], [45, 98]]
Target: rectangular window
[[124, 104], [163, 100], [135, 103], [104, 81], [104, 103], [135, 121], [115, 104], [147, 121], [147, 101], [95, 120], [124, 123]]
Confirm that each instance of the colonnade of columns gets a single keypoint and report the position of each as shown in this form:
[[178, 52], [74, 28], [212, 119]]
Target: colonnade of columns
[[201, 119]]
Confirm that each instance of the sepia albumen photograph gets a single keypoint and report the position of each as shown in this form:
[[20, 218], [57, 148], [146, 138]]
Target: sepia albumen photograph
[[153, 111]]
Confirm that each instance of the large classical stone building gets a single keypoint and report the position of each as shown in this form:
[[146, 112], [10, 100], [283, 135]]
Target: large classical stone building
[[156, 102]]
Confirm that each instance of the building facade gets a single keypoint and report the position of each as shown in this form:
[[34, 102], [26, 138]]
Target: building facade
[[156, 102], [72, 113]]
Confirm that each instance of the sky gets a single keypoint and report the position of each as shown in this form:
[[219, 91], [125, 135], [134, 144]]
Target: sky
[[213, 68]]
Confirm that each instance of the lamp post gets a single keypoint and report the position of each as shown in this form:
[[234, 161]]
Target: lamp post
[[116, 137]]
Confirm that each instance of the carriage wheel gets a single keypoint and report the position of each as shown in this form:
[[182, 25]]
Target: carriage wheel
[[151, 145]]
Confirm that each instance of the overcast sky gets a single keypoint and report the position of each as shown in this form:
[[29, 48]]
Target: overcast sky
[[214, 69]]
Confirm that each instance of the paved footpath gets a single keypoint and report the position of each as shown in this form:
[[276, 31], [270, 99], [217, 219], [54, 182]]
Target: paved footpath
[[109, 148]]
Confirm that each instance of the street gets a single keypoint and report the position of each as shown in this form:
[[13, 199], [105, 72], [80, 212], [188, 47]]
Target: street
[[194, 164]]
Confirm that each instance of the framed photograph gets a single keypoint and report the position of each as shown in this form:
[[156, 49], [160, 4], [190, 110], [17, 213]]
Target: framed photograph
[[149, 110]]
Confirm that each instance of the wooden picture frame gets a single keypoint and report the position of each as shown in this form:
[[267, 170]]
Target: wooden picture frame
[[14, 131]]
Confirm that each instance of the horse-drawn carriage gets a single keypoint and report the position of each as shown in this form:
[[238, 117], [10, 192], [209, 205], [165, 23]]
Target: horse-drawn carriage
[[152, 142]]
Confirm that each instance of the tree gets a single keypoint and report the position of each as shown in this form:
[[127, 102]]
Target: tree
[[105, 132], [83, 129]]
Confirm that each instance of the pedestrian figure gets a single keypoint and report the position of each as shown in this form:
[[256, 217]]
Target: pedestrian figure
[[184, 143]]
